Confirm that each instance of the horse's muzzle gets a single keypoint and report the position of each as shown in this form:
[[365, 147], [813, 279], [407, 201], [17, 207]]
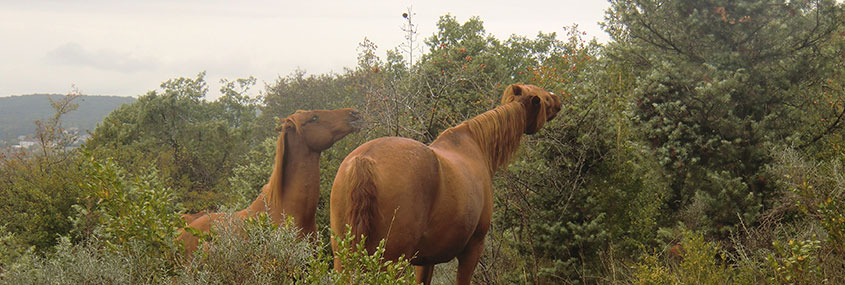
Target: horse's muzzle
[[356, 119]]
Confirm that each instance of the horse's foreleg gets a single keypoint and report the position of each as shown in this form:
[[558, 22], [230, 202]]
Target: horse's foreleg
[[424, 273], [335, 260], [468, 259]]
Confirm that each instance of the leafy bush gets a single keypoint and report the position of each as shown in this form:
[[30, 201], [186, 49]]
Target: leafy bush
[[133, 215], [249, 177], [651, 271], [361, 267], [258, 251], [701, 262], [818, 188], [251, 251], [194, 143], [813, 191], [39, 187], [796, 262], [244, 252], [118, 207], [11, 249], [38, 198], [71, 264]]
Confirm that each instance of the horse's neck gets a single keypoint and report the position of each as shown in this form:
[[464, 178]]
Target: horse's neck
[[300, 181], [495, 133]]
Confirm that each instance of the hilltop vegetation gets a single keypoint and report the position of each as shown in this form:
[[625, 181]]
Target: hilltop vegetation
[[18, 113], [702, 145]]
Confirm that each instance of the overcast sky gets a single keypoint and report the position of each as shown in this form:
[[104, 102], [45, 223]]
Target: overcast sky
[[121, 47]]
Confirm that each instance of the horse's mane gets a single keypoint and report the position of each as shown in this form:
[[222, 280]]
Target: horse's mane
[[269, 190], [498, 132]]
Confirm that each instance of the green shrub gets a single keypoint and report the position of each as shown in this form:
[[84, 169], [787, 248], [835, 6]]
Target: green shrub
[[71, 264], [11, 249], [701, 262], [249, 177], [38, 193], [651, 271], [796, 262], [129, 215], [194, 142], [819, 188], [258, 251], [251, 251], [360, 267], [814, 191]]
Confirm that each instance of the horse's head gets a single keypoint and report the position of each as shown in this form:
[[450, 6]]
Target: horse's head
[[320, 129], [541, 106]]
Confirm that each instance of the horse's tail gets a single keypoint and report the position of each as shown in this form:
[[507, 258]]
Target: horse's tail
[[362, 196]]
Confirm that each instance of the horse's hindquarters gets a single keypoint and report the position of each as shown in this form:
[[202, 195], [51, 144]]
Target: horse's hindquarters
[[405, 177]]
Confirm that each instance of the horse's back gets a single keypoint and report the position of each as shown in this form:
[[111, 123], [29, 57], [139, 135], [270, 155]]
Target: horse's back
[[191, 217], [404, 162]]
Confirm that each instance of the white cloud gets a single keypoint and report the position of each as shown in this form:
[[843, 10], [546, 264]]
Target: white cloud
[[73, 54]]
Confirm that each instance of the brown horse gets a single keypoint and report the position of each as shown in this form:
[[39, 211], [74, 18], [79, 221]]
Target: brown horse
[[434, 203], [294, 186]]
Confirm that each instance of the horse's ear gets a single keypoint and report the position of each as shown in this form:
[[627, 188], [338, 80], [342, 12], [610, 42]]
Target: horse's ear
[[284, 124], [281, 125], [511, 92], [516, 90], [289, 122]]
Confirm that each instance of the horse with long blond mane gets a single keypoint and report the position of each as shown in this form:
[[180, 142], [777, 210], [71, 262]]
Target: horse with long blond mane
[[434, 203], [294, 186]]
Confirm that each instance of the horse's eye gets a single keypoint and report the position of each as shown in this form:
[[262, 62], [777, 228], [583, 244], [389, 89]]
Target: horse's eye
[[315, 118]]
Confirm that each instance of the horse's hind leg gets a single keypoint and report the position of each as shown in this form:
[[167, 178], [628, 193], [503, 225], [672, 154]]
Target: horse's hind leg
[[468, 259], [424, 273]]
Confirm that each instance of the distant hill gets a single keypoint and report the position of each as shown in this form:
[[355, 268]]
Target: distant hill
[[19, 113]]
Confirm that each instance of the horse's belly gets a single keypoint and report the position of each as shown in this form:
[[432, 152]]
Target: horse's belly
[[439, 251], [444, 251], [427, 260], [444, 239]]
